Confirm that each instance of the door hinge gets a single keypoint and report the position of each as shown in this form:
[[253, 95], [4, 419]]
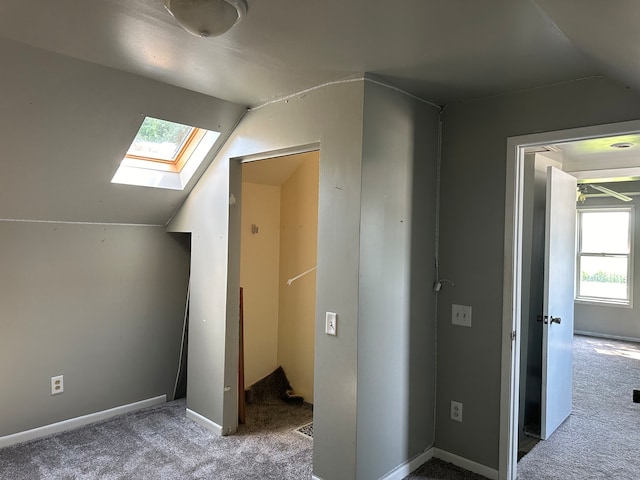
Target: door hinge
[[513, 336]]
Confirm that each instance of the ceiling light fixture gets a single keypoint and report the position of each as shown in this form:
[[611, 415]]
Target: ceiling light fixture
[[206, 18], [621, 145]]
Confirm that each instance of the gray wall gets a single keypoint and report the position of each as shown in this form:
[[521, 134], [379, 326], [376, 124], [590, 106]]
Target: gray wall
[[614, 320], [210, 274], [376, 224], [472, 241], [396, 317], [100, 304], [332, 117]]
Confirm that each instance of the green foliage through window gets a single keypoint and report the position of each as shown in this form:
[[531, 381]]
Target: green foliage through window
[[158, 131], [159, 139], [604, 277]]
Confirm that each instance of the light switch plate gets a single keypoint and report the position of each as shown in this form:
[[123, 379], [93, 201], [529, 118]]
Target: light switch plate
[[461, 315], [331, 325]]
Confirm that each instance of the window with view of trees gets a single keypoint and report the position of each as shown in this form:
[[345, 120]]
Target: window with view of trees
[[164, 154], [604, 255], [164, 142], [159, 139]]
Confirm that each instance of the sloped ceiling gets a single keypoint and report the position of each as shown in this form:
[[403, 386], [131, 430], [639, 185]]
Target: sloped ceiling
[[80, 72], [607, 31], [441, 50], [66, 125]]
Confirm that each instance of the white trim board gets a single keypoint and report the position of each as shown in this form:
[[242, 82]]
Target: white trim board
[[401, 471], [205, 422], [409, 466], [404, 469], [76, 422], [465, 463]]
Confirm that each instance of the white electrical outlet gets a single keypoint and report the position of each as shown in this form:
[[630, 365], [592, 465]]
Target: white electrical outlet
[[456, 411], [331, 325], [57, 385], [461, 315]]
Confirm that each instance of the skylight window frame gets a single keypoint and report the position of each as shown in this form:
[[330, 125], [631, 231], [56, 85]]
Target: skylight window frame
[[176, 165], [154, 172]]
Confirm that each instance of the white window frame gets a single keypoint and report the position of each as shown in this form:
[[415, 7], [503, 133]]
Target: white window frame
[[628, 302]]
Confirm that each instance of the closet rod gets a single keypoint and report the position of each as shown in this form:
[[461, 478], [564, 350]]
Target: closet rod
[[291, 280]]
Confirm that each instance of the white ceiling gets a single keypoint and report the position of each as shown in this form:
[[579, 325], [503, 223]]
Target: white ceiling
[[598, 160], [440, 50]]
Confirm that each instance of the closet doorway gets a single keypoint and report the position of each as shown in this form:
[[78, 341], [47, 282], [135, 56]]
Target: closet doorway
[[278, 261]]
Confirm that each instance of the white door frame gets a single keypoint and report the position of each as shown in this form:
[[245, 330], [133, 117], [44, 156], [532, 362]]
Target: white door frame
[[512, 277]]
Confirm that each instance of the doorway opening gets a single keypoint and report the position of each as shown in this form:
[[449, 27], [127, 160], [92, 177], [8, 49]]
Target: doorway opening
[[278, 260], [522, 310], [597, 440]]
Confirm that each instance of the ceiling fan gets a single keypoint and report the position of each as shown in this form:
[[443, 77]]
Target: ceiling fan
[[582, 191]]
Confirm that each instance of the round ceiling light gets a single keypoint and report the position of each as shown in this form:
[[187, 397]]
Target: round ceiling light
[[621, 145], [206, 18]]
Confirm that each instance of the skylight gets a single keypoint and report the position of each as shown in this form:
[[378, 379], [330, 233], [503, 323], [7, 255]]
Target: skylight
[[164, 154], [160, 140]]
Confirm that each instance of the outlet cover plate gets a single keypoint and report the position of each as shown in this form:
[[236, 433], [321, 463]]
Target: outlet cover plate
[[57, 385], [456, 411]]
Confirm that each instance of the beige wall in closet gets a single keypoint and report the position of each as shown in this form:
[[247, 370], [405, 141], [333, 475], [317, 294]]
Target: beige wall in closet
[[280, 318]]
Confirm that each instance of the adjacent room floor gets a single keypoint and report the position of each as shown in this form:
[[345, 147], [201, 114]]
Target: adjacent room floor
[[601, 438]]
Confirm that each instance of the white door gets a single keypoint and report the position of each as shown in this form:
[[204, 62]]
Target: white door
[[559, 277]]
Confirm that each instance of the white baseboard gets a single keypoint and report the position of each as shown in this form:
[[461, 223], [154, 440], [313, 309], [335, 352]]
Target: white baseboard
[[205, 422], [606, 335], [466, 464], [401, 471], [78, 421]]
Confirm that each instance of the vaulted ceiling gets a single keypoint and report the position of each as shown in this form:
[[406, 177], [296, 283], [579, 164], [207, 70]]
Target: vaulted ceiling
[[440, 50]]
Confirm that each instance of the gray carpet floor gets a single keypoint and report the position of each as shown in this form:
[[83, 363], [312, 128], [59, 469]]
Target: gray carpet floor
[[436, 469], [601, 438], [161, 443]]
